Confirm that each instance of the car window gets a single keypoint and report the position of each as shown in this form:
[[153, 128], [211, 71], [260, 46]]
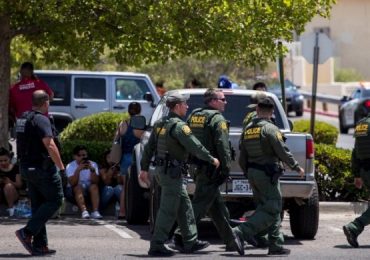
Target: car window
[[235, 110], [356, 94], [366, 93], [131, 89], [90, 88], [60, 86]]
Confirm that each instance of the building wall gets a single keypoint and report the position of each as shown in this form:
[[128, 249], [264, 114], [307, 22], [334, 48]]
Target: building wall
[[349, 26]]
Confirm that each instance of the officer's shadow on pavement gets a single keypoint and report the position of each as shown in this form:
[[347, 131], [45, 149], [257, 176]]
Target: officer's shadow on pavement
[[15, 255], [350, 247], [177, 255]]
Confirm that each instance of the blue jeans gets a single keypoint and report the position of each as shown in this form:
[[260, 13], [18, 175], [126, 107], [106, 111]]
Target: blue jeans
[[126, 162], [107, 193], [46, 194]]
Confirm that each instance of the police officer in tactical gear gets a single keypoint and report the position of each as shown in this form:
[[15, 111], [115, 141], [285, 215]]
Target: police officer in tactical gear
[[262, 150], [361, 170], [258, 96], [170, 143], [38, 155], [210, 127]]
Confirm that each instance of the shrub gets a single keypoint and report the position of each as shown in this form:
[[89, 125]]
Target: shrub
[[323, 133], [96, 132], [333, 174]]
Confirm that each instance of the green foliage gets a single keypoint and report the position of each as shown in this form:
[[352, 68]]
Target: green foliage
[[100, 126], [95, 149], [347, 75], [96, 132], [333, 174], [323, 133]]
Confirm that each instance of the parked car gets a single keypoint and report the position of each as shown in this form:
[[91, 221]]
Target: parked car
[[300, 196], [353, 108], [82, 93], [294, 99]]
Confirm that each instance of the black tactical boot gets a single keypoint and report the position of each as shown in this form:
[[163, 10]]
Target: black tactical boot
[[351, 236], [281, 251]]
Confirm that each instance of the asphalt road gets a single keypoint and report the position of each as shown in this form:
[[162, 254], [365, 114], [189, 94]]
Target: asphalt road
[[74, 238], [345, 141]]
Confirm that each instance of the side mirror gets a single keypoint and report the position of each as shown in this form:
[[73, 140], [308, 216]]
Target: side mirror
[[344, 99], [138, 122], [290, 124], [149, 97]]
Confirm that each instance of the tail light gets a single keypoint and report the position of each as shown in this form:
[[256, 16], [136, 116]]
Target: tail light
[[310, 151], [367, 104]]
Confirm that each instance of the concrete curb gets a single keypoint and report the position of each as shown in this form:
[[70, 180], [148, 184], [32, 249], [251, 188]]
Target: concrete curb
[[349, 207], [324, 113]]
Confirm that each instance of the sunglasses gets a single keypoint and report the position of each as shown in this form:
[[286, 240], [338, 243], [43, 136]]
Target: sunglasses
[[221, 99]]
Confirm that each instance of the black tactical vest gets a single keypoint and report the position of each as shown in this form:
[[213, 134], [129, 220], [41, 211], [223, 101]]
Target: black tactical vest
[[29, 144], [199, 123], [362, 135]]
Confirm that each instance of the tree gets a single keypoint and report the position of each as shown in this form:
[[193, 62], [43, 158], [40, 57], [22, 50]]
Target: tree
[[142, 31]]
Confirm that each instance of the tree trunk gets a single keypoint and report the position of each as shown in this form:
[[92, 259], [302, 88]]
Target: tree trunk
[[5, 40]]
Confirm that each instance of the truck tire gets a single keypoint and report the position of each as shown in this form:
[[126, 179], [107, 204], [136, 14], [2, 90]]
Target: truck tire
[[155, 198], [304, 219], [342, 128], [137, 206]]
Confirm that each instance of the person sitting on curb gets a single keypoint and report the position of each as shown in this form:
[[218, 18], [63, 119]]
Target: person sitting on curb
[[83, 179], [10, 179], [111, 181]]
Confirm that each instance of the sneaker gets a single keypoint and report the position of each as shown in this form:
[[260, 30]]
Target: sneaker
[[163, 252], [44, 250], [198, 245], [351, 237], [25, 239], [11, 211], [281, 251], [96, 215], [85, 214]]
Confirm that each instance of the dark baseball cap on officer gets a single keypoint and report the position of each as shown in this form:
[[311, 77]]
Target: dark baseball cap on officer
[[266, 103], [176, 97]]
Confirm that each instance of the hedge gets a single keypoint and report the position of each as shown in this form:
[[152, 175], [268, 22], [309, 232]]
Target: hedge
[[333, 174], [96, 132], [323, 133]]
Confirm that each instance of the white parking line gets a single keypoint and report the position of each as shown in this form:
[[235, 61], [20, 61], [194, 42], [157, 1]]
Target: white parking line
[[119, 231]]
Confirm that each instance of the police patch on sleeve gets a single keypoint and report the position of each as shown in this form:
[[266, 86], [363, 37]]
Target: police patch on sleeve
[[279, 136], [186, 130], [223, 126]]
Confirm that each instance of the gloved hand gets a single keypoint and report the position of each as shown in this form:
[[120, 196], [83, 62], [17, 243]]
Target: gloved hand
[[64, 177]]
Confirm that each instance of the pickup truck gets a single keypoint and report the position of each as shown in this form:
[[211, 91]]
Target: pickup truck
[[82, 93], [300, 196]]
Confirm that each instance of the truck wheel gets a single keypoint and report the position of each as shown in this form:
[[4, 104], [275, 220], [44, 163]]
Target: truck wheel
[[304, 219], [137, 206], [155, 198]]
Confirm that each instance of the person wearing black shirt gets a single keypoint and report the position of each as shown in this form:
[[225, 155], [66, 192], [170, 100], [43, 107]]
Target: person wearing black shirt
[[39, 156], [10, 179]]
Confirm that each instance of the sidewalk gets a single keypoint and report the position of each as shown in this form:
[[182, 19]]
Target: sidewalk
[[345, 207]]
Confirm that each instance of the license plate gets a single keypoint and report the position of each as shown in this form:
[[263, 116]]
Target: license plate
[[242, 186]]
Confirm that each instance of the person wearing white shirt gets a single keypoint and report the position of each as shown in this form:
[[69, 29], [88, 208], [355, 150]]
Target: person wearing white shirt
[[83, 179]]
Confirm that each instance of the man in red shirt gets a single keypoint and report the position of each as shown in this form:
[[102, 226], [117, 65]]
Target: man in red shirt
[[20, 94]]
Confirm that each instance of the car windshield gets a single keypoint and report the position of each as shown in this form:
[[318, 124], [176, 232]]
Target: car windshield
[[235, 109]]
